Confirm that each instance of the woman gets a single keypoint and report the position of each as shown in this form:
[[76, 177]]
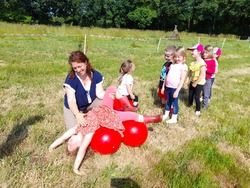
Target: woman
[[83, 89], [79, 137]]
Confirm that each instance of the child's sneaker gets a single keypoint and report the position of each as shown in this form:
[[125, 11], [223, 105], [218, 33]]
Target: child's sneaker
[[197, 113], [165, 116]]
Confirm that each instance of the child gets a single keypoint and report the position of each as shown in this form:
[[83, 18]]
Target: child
[[174, 82], [126, 80], [196, 76], [168, 55], [208, 57], [217, 53], [80, 136]]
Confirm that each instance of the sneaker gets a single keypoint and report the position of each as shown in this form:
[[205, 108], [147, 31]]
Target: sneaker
[[197, 113], [171, 121], [165, 117]]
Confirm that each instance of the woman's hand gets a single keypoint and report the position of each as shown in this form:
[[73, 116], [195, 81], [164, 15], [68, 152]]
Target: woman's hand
[[80, 119]]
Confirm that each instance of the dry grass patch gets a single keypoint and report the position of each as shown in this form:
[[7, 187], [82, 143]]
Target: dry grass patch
[[241, 158]]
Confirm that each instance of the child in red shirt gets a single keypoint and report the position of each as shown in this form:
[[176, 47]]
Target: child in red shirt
[[208, 57]]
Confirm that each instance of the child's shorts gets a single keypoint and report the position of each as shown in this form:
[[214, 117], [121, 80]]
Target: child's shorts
[[135, 101], [162, 96]]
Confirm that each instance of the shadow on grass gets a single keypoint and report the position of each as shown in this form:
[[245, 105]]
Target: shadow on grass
[[17, 135], [157, 100], [183, 96], [123, 183]]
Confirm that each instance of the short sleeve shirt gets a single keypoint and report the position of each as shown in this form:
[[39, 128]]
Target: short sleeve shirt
[[84, 96], [174, 74], [195, 70], [127, 79]]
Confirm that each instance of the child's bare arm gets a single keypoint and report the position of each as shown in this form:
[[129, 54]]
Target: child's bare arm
[[183, 76], [130, 91], [187, 80], [163, 86], [62, 139]]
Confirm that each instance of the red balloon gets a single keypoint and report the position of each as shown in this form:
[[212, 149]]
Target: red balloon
[[106, 141], [118, 106], [135, 133]]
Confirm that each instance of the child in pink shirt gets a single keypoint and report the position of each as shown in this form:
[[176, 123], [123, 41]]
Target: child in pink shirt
[[174, 82]]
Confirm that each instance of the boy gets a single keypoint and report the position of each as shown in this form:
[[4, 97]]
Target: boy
[[168, 55]]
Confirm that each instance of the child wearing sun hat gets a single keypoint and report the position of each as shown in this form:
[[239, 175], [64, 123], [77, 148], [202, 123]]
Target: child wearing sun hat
[[196, 77], [208, 57], [217, 54]]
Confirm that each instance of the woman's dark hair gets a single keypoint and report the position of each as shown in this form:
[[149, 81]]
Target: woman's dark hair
[[80, 57]]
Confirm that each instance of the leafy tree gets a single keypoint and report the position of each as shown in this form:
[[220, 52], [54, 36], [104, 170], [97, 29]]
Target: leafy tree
[[13, 11], [213, 16], [142, 17]]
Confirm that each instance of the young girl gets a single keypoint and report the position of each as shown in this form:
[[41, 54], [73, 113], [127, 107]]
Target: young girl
[[174, 82], [126, 81], [168, 56], [80, 136], [217, 53], [208, 57], [196, 76]]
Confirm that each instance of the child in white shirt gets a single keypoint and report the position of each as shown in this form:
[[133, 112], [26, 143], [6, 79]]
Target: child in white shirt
[[126, 81]]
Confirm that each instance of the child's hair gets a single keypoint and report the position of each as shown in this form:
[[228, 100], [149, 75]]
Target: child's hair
[[210, 51], [182, 52], [124, 69], [71, 153], [170, 48]]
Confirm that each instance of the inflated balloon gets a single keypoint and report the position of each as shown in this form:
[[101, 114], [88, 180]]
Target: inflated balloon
[[118, 106], [106, 141], [135, 133]]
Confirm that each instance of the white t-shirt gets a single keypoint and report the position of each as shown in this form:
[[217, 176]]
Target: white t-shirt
[[126, 79], [174, 74]]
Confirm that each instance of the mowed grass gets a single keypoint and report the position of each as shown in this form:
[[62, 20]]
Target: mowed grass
[[212, 150]]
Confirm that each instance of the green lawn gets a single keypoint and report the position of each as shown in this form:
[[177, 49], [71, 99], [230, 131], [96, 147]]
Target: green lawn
[[212, 150]]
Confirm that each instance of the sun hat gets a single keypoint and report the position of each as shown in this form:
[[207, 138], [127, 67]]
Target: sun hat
[[199, 47], [217, 51]]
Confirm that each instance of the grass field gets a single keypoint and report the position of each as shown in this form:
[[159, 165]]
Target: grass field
[[212, 150]]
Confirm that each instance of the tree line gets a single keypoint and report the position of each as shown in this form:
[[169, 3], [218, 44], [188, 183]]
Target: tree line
[[201, 16]]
